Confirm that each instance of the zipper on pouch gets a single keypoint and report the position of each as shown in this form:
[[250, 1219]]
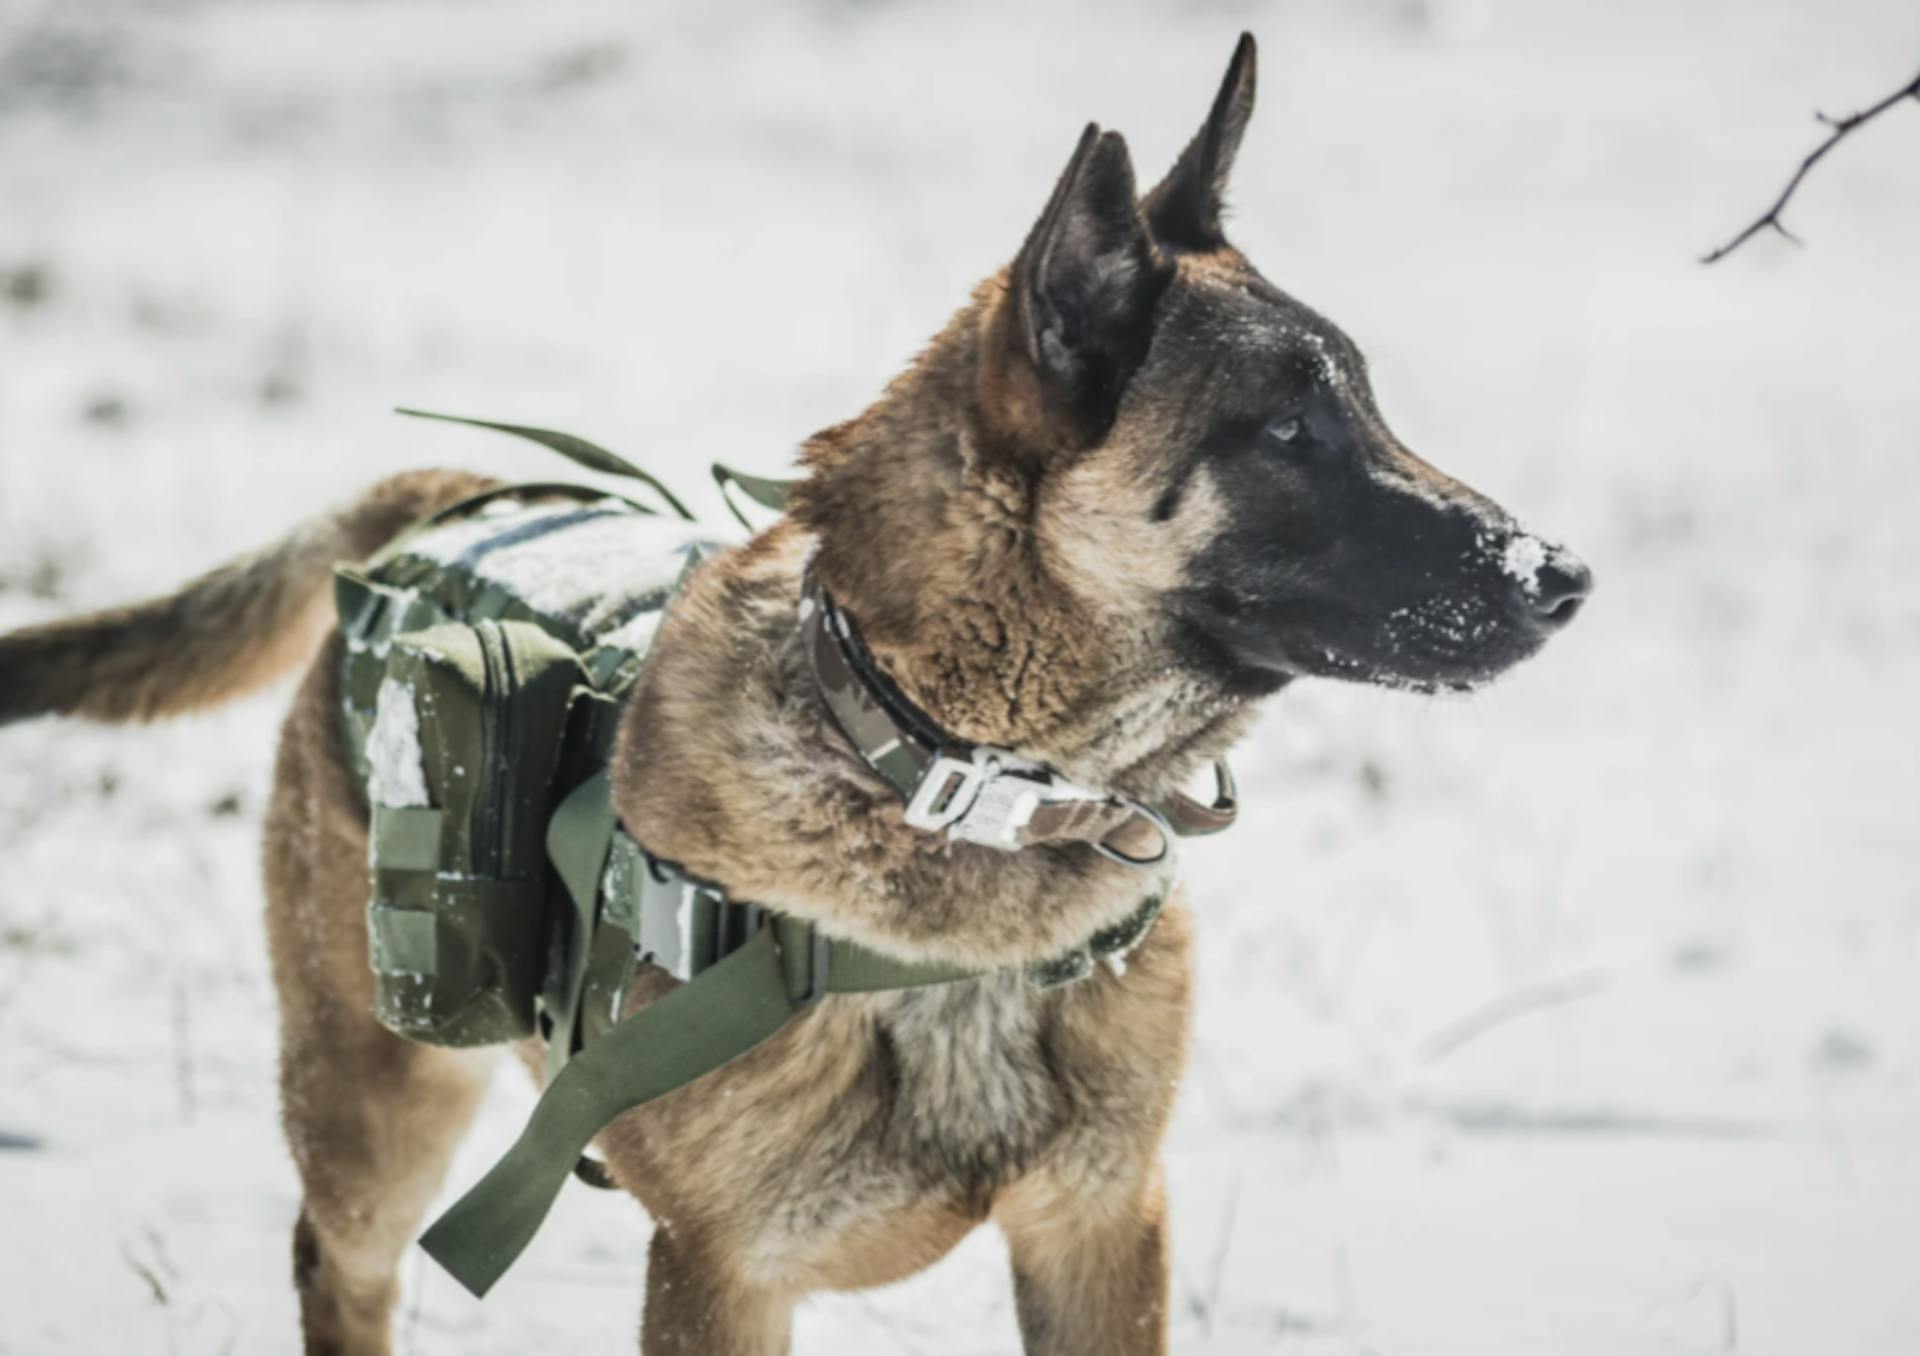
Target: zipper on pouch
[[493, 810]]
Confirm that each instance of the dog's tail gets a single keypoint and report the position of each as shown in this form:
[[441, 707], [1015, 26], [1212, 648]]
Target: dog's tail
[[221, 635]]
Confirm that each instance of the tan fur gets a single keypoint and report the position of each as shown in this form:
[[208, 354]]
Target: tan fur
[[218, 636], [1013, 604]]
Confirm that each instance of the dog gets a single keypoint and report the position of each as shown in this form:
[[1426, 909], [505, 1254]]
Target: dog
[[1129, 493]]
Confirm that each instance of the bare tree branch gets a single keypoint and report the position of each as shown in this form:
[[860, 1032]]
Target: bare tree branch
[[1841, 127]]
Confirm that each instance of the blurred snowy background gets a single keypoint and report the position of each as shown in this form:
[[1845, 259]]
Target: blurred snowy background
[[1582, 1017]]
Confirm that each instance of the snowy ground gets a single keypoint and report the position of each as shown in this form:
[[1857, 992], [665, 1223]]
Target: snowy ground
[[1579, 1018]]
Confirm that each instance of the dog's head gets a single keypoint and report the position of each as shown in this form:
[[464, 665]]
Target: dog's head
[[1145, 370], [1136, 448]]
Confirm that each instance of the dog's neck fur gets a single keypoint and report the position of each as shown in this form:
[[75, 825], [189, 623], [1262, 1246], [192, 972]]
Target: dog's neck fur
[[728, 763], [926, 515]]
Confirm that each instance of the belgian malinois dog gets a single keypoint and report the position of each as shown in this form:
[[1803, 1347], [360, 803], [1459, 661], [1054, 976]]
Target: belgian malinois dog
[[1131, 490]]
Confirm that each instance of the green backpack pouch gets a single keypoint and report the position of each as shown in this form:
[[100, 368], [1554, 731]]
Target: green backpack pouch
[[467, 732]]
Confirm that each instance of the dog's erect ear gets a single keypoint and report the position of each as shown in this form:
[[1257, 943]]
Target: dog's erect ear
[[1184, 208], [1085, 284]]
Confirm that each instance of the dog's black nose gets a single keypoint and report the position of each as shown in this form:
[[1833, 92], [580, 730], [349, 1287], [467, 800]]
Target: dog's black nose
[[1561, 585]]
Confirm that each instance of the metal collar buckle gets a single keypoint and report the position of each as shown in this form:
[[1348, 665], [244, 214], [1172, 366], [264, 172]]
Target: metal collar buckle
[[982, 798], [947, 790]]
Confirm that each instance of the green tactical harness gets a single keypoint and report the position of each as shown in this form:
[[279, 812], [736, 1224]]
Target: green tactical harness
[[489, 651]]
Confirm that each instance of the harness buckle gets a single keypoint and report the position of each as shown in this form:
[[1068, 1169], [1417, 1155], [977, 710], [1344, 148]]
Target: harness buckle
[[684, 925], [665, 934]]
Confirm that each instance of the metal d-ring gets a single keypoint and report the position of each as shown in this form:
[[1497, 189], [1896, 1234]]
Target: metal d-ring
[[1161, 826]]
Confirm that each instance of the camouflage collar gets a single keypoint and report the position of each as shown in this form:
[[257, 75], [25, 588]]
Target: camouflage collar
[[976, 793]]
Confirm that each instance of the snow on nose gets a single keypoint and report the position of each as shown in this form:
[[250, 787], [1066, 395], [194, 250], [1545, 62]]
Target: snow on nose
[[1522, 559], [1552, 582]]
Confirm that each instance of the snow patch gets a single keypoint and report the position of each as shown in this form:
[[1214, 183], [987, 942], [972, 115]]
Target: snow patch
[[1522, 559], [396, 770], [635, 635], [590, 565]]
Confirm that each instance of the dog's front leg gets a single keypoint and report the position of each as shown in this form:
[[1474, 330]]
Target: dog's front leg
[[1089, 1260], [698, 1307]]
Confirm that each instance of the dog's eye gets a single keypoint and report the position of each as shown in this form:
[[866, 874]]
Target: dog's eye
[[1286, 430]]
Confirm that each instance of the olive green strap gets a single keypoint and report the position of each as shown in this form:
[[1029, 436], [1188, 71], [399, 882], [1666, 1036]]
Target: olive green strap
[[763, 490], [578, 837], [590, 455], [855, 969], [688, 1033], [405, 837], [403, 941], [704, 1024]]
